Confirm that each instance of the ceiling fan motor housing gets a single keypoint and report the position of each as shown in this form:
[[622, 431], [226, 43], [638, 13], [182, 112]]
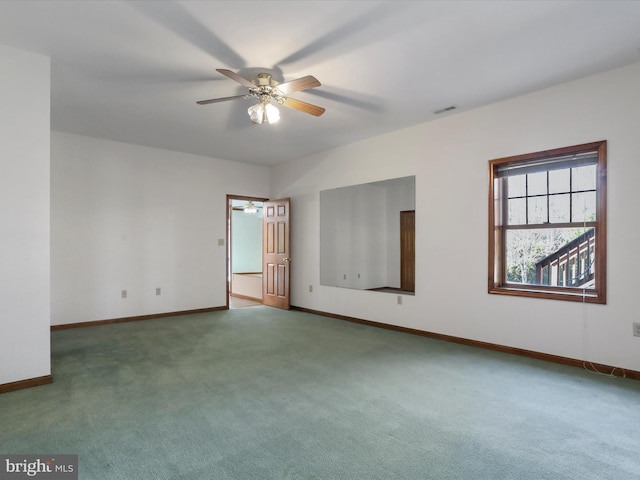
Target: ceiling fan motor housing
[[265, 80]]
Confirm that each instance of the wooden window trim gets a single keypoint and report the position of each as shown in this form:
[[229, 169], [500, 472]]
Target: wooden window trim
[[497, 268]]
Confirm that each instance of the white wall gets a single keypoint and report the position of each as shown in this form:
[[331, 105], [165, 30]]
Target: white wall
[[127, 217], [449, 158], [24, 215], [247, 285], [246, 242], [353, 242]]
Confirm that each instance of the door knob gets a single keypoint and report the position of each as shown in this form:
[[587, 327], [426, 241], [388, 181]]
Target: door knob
[[286, 259]]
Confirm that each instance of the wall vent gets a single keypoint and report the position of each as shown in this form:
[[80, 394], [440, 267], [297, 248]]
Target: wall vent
[[445, 109]]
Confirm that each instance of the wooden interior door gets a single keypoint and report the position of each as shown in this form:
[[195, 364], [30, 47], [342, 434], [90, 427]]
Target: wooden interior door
[[276, 253], [408, 250]]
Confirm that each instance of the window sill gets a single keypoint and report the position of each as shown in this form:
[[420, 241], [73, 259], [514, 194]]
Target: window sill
[[569, 295]]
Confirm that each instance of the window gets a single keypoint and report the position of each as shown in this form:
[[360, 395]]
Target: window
[[547, 224]]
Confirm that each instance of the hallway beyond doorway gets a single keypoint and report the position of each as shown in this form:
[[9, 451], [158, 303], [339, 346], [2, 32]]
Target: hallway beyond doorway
[[237, 302]]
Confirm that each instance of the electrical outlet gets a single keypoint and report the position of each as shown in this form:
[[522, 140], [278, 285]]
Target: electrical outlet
[[310, 288], [124, 294], [158, 291], [344, 276], [399, 300], [221, 242], [636, 329]]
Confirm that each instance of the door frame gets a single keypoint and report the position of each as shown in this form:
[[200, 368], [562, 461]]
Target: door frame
[[229, 234]]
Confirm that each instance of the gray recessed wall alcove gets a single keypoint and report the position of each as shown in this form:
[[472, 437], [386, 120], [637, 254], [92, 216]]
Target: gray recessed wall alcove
[[360, 235]]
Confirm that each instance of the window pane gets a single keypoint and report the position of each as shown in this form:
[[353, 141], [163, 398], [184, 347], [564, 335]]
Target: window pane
[[551, 256], [537, 210], [584, 178], [584, 207], [559, 208], [517, 211], [517, 186], [537, 183], [559, 181]]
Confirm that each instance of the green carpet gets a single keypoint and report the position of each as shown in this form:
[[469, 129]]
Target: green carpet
[[261, 393]]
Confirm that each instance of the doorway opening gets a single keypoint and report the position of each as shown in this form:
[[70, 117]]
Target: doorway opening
[[244, 251]]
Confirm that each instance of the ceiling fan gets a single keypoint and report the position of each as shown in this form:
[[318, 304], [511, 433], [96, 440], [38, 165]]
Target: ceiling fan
[[265, 89], [248, 207]]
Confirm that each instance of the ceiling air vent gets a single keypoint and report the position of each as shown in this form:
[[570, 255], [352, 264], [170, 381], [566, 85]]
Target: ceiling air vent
[[445, 109]]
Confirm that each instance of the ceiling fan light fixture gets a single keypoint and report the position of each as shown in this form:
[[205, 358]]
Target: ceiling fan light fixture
[[250, 208], [263, 112], [265, 89]]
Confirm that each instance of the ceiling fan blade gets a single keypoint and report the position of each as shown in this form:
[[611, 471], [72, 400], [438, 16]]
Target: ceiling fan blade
[[303, 107], [216, 100], [299, 84], [236, 77]]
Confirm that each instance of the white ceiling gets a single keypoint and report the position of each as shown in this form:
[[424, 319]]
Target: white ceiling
[[132, 71]]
